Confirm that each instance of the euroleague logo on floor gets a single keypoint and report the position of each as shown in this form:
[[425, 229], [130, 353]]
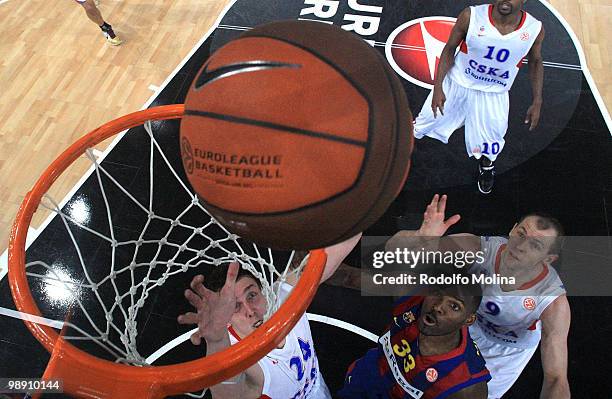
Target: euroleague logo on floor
[[413, 49]]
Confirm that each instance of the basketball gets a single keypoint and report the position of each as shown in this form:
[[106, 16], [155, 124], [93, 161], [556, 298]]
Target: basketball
[[296, 135]]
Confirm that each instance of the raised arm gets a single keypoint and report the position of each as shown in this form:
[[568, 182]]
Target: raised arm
[[335, 255], [536, 76], [434, 225], [213, 313], [555, 328], [447, 59]]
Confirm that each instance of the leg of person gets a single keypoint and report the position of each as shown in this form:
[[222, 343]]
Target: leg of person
[[442, 126], [505, 363], [95, 16], [486, 124]]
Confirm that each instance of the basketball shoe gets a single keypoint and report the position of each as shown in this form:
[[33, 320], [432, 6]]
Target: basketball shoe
[[486, 175], [110, 35]]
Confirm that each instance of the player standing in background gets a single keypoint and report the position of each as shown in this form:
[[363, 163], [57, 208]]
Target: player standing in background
[[93, 13], [231, 306], [512, 318], [471, 88]]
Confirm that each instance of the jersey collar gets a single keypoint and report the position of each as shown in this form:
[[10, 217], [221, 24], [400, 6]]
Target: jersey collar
[[449, 355], [520, 25]]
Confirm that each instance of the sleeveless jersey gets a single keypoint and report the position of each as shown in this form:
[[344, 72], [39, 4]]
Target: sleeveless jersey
[[487, 60], [293, 370], [428, 377], [507, 319]]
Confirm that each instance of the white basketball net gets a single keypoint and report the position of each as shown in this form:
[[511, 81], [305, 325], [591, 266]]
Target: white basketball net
[[118, 333]]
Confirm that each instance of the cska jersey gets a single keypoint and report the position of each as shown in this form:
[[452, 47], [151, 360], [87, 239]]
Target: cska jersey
[[291, 372], [487, 60], [512, 318], [428, 377]]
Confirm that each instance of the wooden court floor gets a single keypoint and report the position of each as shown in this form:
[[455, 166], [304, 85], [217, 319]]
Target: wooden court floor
[[59, 79]]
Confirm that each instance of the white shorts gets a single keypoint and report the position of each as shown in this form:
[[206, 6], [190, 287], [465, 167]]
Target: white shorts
[[505, 363], [485, 116]]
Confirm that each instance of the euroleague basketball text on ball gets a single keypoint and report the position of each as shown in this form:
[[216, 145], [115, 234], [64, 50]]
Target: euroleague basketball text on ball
[[245, 166]]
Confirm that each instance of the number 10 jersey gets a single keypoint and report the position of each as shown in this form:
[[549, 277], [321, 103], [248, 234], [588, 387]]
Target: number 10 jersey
[[487, 60]]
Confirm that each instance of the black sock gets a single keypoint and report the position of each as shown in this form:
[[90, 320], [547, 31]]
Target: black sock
[[106, 28], [485, 162]]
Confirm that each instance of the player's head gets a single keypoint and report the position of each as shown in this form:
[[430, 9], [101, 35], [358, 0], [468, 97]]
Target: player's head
[[447, 308], [534, 239], [509, 7], [251, 304]]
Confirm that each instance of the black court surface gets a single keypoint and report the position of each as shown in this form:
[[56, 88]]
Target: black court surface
[[562, 168]]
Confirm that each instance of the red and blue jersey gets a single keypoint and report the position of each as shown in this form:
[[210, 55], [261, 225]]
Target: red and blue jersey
[[396, 368]]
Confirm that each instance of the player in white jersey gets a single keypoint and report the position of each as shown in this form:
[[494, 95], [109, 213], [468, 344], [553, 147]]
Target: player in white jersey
[[514, 316], [471, 87], [234, 307], [508, 328]]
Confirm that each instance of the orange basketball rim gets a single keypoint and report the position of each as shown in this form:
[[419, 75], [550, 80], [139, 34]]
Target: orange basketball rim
[[90, 376]]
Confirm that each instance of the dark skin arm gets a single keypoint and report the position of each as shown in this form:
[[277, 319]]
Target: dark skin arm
[[428, 237], [447, 59], [434, 225], [536, 76], [476, 391]]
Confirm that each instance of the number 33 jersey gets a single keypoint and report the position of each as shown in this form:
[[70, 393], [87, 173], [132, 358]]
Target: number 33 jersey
[[487, 60], [426, 377], [292, 372]]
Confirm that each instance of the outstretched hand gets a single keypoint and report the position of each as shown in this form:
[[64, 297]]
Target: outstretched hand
[[213, 309], [434, 224]]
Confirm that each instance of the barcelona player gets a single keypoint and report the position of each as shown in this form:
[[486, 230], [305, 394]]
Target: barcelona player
[[426, 353]]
